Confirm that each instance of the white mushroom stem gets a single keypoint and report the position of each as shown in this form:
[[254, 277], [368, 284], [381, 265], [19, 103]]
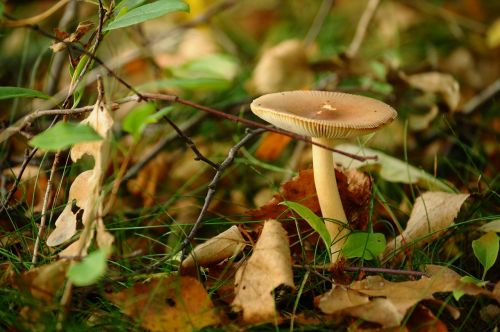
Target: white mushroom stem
[[328, 196]]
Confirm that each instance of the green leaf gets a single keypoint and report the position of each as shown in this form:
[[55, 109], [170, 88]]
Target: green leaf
[[7, 92], [136, 120], [63, 135], [313, 220], [201, 83], [486, 250], [215, 66], [147, 12], [364, 244], [90, 269], [390, 169]]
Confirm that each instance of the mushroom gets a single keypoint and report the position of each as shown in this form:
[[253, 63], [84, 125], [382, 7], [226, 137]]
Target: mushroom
[[325, 116]]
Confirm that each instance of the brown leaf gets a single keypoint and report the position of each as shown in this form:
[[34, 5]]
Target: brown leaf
[[283, 67], [271, 146], [432, 214], [43, 282], [434, 82], [355, 192], [169, 304], [340, 298], [268, 268], [81, 30], [31, 187], [423, 320], [226, 244], [379, 310]]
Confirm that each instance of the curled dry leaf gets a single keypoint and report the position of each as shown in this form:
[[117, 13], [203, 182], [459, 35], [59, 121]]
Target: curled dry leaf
[[81, 30], [434, 82], [432, 214], [268, 268], [386, 302], [84, 195], [281, 68], [225, 245], [168, 304]]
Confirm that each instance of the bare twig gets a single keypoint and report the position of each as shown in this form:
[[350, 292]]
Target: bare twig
[[475, 102], [384, 270], [45, 205], [319, 19], [190, 144], [213, 184], [363, 24], [13, 189], [59, 58], [10, 23]]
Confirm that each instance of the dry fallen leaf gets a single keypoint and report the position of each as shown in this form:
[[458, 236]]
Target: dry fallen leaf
[[31, 187], [355, 191], [81, 30], [225, 245], [43, 282], [432, 214], [268, 268], [84, 195], [169, 304], [434, 82], [271, 146], [387, 302], [281, 68]]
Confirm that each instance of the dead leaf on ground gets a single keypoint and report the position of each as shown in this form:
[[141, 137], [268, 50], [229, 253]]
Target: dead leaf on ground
[[387, 302], [271, 146], [281, 68], [432, 214], [32, 185], [42, 282], [442, 84], [169, 304], [225, 245], [85, 198], [355, 191], [268, 268]]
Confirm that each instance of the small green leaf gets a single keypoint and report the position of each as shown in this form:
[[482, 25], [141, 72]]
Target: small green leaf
[[136, 120], [313, 220], [486, 250], [90, 269], [147, 12], [457, 294], [63, 135], [215, 66], [8, 92], [364, 244], [472, 280]]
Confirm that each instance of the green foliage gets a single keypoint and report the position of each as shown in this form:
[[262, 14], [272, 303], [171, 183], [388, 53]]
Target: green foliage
[[313, 220], [63, 135], [136, 120], [90, 269], [486, 250], [364, 245], [147, 12], [9, 92]]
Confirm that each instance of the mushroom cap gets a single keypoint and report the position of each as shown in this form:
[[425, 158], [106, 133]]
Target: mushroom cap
[[323, 113]]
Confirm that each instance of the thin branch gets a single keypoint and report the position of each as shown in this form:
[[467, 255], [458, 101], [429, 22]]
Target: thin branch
[[363, 24], [27, 158], [190, 144], [213, 185], [475, 102], [46, 198], [384, 270], [318, 21], [11, 23]]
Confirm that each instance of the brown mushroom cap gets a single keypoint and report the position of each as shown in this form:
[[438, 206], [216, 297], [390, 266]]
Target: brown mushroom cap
[[323, 113]]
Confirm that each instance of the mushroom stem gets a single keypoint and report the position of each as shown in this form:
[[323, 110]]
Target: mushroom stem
[[328, 196]]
